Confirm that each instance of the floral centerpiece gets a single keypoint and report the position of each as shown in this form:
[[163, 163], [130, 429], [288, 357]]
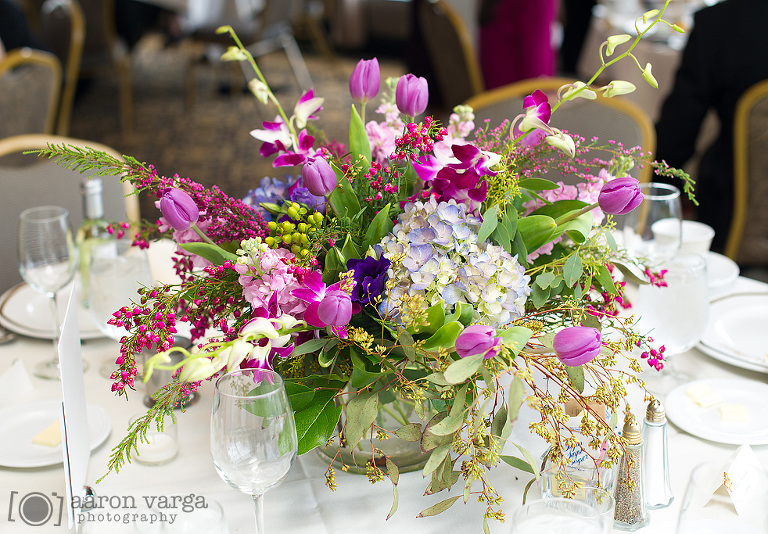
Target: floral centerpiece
[[428, 261]]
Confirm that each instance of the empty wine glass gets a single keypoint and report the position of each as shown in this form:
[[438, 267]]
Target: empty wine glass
[[653, 230], [116, 271], [253, 433], [676, 315], [47, 262]]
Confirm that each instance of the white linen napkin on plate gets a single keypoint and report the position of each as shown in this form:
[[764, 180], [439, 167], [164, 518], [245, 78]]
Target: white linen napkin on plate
[[15, 385]]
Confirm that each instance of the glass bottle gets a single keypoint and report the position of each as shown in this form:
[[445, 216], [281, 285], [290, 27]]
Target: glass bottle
[[92, 230], [658, 490], [631, 512]]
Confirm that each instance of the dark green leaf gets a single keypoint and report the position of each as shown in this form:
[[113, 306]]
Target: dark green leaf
[[435, 319], [361, 376], [313, 345], [358, 138], [560, 208], [502, 237], [380, 226], [537, 184], [343, 198], [315, 424], [444, 337], [213, 253]]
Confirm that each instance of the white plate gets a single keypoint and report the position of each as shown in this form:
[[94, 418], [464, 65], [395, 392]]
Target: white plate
[[737, 331], [28, 312], [19, 424], [706, 423], [722, 271]]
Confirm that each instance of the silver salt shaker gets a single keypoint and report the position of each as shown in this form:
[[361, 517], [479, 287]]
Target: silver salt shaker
[[631, 512], [658, 490]]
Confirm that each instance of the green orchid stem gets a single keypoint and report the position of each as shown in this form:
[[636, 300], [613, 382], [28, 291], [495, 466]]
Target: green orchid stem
[[204, 237], [576, 214]]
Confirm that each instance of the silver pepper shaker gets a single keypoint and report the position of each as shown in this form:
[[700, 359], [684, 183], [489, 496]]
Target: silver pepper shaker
[[658, 490], [631, 512]]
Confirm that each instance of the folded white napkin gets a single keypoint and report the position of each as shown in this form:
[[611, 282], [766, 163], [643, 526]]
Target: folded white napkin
[[15, 385]]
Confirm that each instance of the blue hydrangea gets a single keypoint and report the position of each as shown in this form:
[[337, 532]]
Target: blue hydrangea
[[274, 190], [435, 253]]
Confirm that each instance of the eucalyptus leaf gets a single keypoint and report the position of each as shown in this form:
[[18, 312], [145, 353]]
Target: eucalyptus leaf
[[409, 432], [439, 508], [462, 369], [539, 296], [429, 440], [361, 413], [605, 280], [517, 463], [544, 280], [490, 221], [515, 338], [530, 459], [516, 398], [576, 377], [406, 340], [395, 498], [572, 269], [436, 458], [393, 471]]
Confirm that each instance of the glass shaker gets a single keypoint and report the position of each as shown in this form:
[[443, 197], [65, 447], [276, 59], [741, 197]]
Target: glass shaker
[[658, 490], [631, 512]]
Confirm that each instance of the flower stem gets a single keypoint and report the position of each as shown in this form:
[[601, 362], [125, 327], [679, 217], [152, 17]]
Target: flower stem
[[575, 214]]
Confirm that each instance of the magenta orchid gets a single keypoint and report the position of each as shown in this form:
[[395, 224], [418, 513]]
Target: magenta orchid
[[535, 119]]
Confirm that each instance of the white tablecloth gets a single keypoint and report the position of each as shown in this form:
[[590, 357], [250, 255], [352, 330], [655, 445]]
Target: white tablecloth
[[302, 503]]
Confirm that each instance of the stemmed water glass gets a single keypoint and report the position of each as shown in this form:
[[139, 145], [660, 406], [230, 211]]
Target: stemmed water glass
[[676, 315], [116, 271], [253, 433], [47, 262], [653, 230]]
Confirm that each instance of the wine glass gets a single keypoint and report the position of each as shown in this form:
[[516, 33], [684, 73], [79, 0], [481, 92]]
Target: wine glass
[[116, 271], [676, 315], [557, 514], [253, 434], [653, 230], [47, 262]]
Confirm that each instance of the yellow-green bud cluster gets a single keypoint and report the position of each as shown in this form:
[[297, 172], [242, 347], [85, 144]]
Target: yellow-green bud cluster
[[294, 235]]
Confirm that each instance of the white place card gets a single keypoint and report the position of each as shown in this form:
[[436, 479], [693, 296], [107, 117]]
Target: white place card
[[74, 422], [742, 477]]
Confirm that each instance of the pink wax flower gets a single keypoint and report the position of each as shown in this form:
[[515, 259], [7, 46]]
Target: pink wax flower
[[478, 339], [577, 345]]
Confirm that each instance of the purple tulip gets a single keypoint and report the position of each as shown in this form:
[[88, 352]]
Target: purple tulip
[[577, 345], [620, 196], [178, 208], [335, 309], [411, 95], [319, 178], [365, 80], [478, 339]]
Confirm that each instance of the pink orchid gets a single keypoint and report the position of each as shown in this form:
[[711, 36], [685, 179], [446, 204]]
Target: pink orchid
[[536, 119], [303, 152], [306, 107], [275, 135]]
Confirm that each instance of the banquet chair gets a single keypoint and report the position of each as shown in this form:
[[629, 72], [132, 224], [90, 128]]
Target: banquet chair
[[608, 119], [62, 26], [263, 27], [30, 82], [747, 242], [28, 181], [450, 51]]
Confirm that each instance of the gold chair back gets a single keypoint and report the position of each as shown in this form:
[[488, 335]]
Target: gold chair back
[[30, 82], [748, 237]]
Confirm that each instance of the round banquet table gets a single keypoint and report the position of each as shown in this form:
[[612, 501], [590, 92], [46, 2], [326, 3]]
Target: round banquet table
[[302, 503]]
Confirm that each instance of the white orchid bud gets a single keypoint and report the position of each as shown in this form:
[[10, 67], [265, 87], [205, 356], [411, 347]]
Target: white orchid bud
[[563, 142], [618, 87], [260, 327], [158, 359], [259, 90], [614, 41], [648, 15], [233, 53], [201, 368], [648, 77]]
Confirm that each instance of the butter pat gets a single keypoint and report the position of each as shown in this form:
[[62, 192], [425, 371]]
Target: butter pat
[[703, 395], [734, 413], [50, 436]]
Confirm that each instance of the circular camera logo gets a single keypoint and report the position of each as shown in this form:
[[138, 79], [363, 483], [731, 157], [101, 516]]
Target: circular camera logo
[[35, 508]]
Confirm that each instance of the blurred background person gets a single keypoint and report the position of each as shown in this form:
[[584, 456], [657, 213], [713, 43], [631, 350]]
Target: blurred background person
[[722, 58]]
